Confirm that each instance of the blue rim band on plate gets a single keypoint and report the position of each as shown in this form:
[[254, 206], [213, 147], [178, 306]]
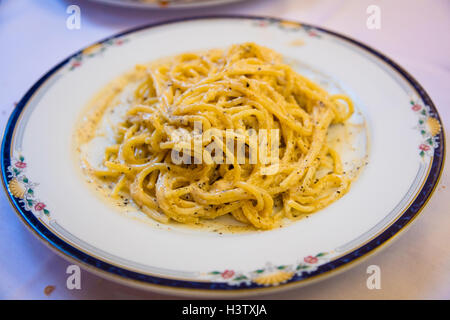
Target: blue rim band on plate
[[71, 252]]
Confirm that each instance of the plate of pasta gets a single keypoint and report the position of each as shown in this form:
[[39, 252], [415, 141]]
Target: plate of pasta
[[226, 155]]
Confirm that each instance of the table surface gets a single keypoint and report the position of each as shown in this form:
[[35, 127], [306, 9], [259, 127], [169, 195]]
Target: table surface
[[34, 37]]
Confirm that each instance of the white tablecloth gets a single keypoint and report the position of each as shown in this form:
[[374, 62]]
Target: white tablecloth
[[415, 33]]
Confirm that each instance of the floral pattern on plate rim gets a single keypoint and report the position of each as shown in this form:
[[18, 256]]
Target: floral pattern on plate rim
[[428, 126], [23, 189], [270, 274], [288, 26], [95, 50]]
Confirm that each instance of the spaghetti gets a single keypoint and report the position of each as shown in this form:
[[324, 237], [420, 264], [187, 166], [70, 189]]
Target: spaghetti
[[234, 91]]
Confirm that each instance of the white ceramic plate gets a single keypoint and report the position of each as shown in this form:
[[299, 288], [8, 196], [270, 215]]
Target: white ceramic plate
[[405, 158], [166, 4]]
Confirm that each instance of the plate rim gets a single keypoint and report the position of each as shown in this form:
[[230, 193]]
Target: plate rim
[[190, 287], [171, 7]]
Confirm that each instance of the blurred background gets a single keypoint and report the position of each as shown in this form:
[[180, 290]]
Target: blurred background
[[34, 37]]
